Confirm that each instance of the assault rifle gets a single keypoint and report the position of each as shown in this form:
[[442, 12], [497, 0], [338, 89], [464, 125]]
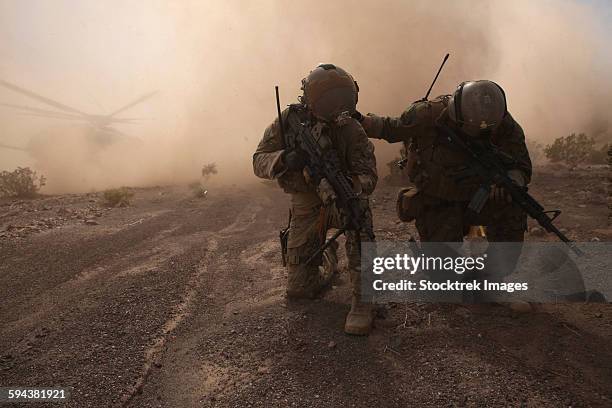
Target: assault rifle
[[490, 165], [324, 164]]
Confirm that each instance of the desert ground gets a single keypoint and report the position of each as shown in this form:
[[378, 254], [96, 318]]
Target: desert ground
[[178, 301]]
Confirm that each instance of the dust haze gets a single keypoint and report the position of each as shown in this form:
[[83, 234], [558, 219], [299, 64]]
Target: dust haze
[[215, 64]]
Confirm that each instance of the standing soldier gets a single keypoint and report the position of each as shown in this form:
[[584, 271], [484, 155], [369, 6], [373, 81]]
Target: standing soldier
[[444, 186], [329, 98]]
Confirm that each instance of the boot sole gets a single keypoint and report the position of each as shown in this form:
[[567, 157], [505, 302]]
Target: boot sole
[[356, 331]]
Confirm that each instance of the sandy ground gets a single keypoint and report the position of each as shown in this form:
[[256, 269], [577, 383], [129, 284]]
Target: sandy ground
[[179, 302]]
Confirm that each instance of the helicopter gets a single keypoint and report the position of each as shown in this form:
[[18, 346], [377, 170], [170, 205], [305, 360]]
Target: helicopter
[[101, 131]]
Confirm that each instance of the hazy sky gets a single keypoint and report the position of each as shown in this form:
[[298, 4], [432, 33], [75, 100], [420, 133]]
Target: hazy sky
[[215, 63]]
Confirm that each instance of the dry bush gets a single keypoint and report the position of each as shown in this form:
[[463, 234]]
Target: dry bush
[[576, 149], [22, 182], [209, 170], [117, 197]]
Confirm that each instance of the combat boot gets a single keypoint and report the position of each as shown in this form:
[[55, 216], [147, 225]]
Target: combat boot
[[360, 318]]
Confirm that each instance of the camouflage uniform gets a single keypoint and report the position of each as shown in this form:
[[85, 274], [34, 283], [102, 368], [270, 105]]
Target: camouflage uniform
[[310, 219], [441, 201]]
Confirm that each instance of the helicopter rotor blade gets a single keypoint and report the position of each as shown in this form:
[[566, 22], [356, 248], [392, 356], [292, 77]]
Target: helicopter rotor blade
[[51, 116], [29, 109], [2, 145], [129, 105], [127, 121], [40, 98]]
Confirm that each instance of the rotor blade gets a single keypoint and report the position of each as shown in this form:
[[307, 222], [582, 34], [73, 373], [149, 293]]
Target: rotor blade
[[13, 147], [41, 111], [48, 115], [126, 120], [40, 98], [137, 101]]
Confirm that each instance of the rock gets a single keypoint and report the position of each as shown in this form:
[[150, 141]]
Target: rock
[[536, 232], [91, 222], [331, 344], [564, 230]]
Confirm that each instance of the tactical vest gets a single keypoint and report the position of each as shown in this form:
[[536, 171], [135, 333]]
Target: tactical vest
[[437, 164], [295, 182]]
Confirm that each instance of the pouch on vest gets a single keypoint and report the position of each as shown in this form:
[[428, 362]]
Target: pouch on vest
[[408, 204]]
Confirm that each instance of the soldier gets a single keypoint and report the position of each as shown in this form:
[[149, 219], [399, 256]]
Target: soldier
[[329, 97], [477, 112]]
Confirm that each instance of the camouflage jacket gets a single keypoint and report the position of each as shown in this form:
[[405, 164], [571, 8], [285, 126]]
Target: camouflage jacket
[[355, 151], [432, 164]]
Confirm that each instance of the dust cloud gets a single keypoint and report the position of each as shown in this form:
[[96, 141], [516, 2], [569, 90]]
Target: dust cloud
[[215, 64]]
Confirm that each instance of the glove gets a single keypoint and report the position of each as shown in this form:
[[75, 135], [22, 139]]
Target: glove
[[517, 176], [498, 194], [294, 160]]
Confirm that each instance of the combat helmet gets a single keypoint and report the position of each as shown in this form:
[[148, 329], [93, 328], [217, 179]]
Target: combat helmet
[[329, 91], [477, 107]]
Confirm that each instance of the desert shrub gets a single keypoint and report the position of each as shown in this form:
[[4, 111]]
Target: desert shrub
[[22, 182], [573, 150], [209, 170], [197, 187], [117, 197]]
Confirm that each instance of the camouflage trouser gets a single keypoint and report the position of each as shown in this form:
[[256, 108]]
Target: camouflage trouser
[[309, 225], [447, 221]]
